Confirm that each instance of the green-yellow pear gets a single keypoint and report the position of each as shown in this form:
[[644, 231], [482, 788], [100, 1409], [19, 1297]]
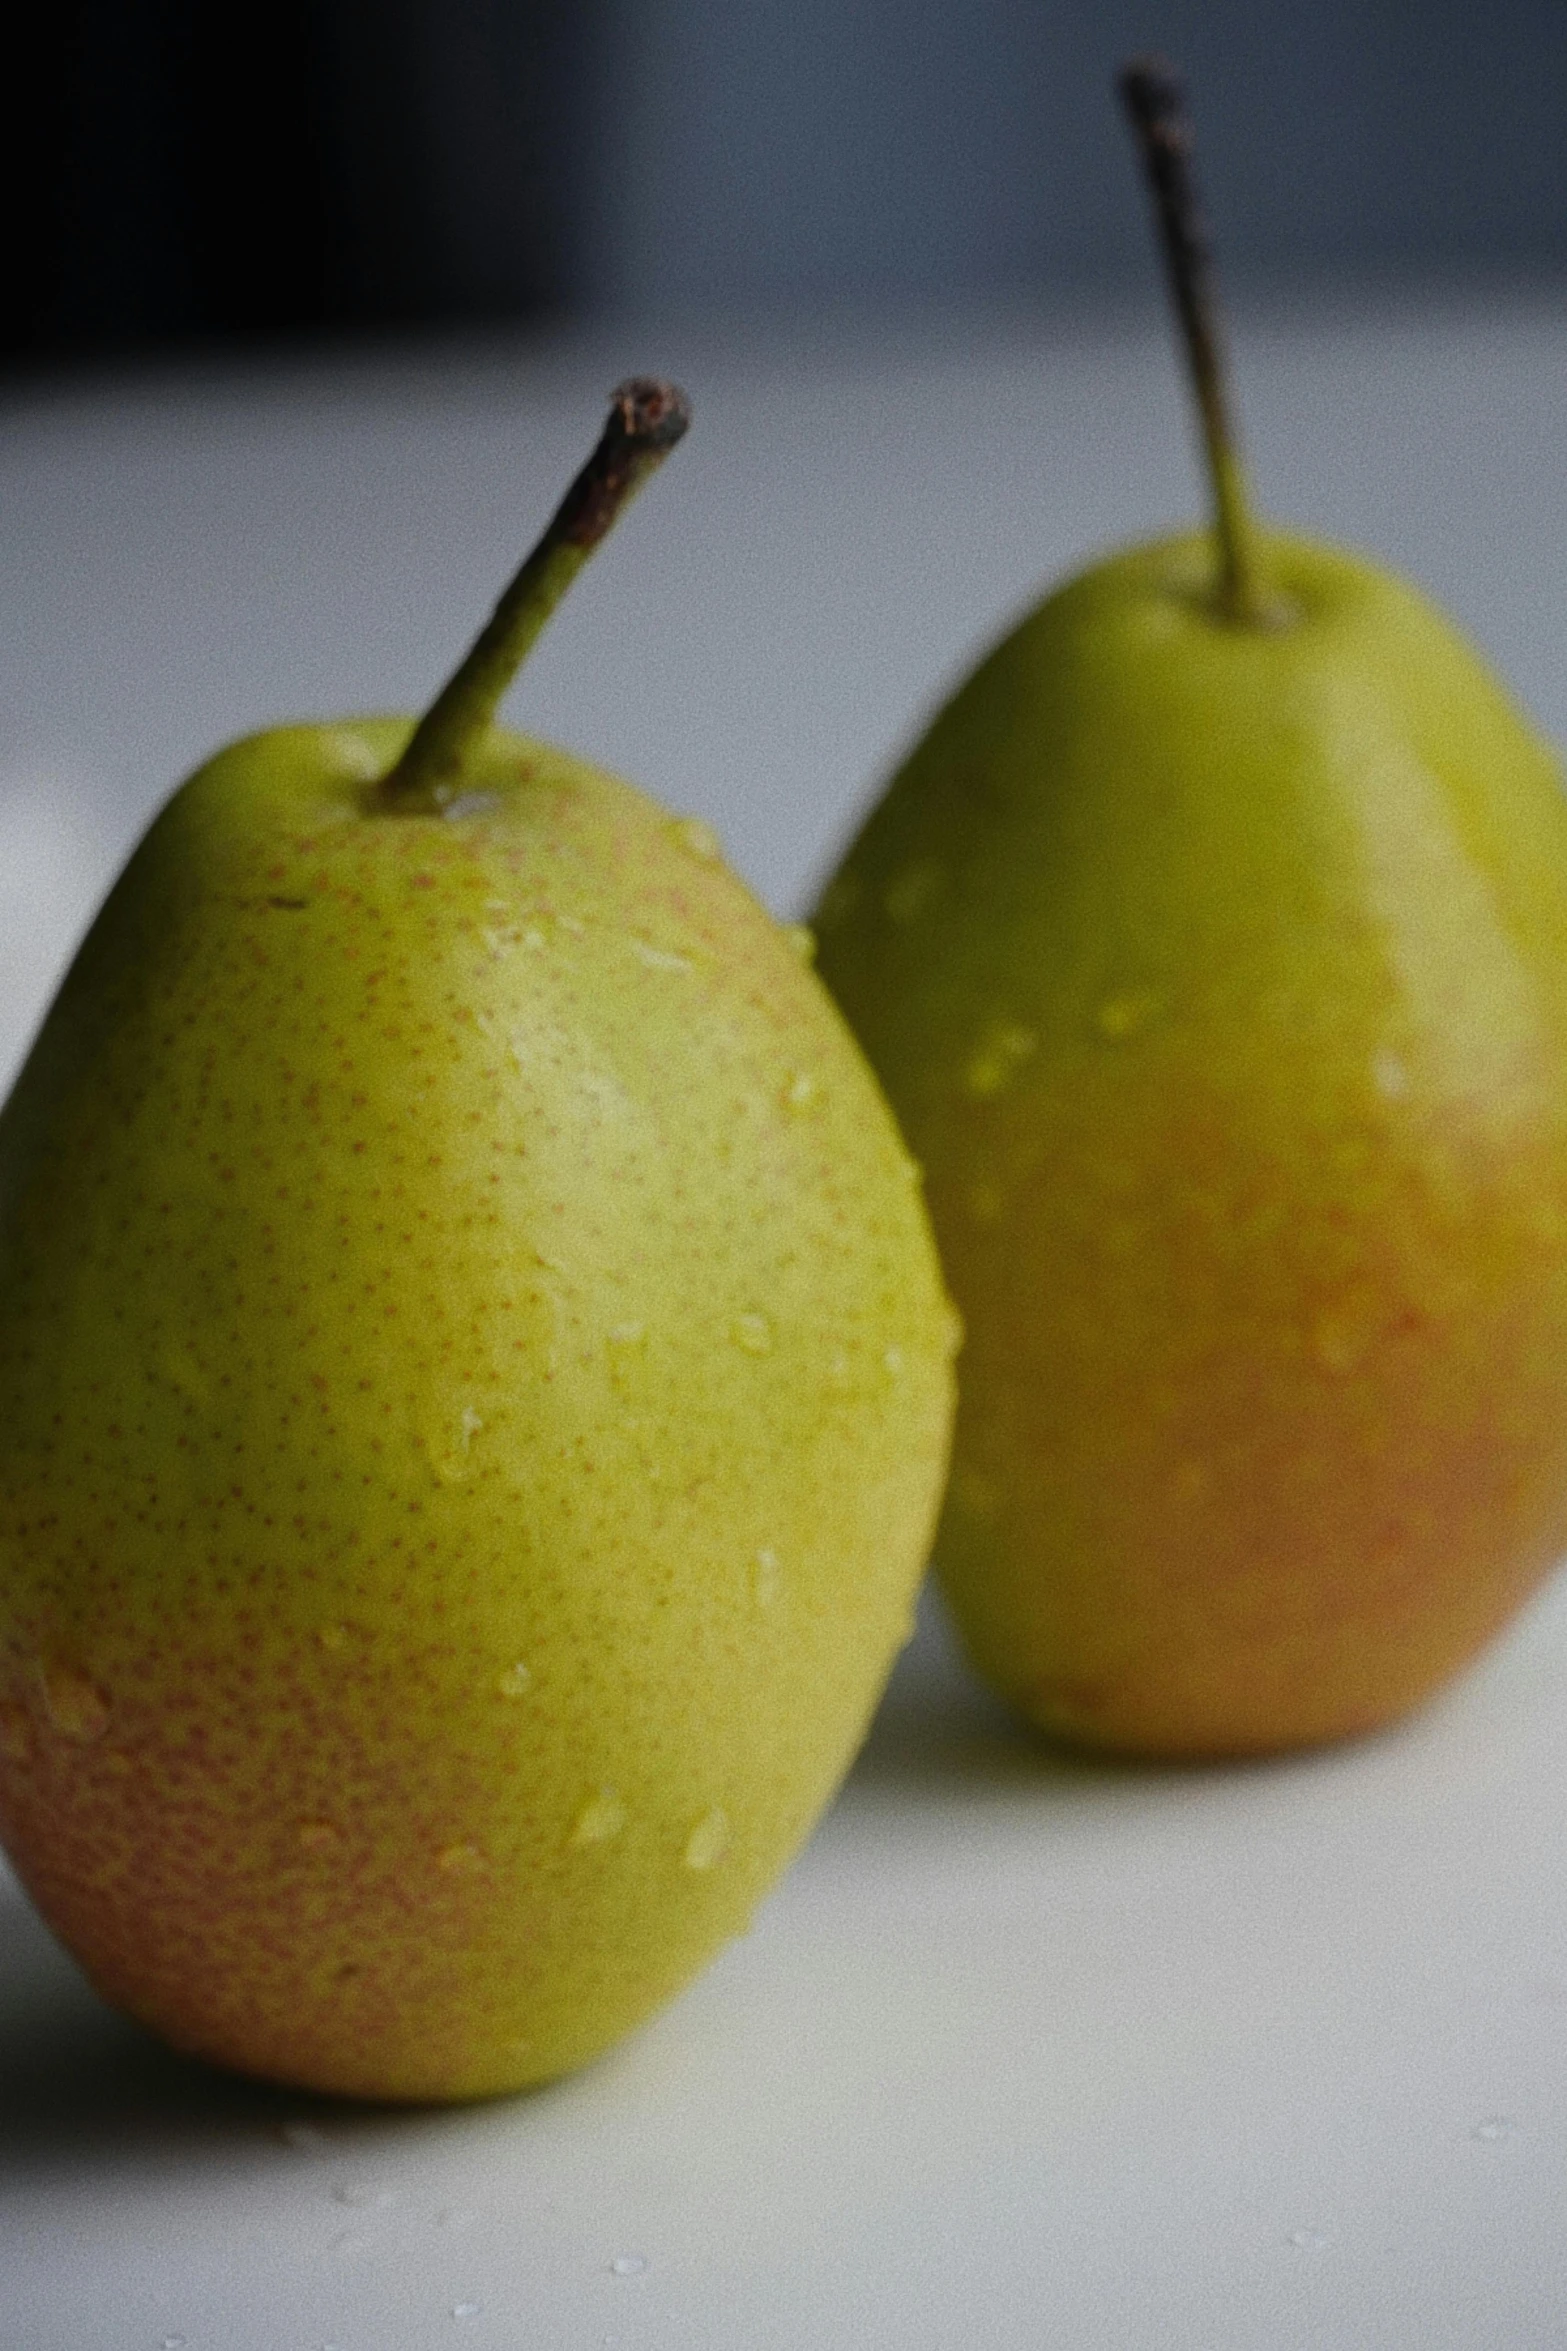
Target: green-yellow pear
[[474, 1397], [1212, 948]]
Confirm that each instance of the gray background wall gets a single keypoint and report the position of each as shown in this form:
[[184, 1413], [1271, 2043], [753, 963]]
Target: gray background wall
[[794, 152]]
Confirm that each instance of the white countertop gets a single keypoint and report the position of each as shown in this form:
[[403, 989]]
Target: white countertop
[[1023, 2051]]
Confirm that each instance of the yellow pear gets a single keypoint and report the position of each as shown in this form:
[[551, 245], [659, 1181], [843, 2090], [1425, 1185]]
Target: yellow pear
[[1212, 948], [474, 1396]]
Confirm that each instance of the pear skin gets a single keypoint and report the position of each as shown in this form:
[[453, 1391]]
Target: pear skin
[[1218, 976], [474, 1396]]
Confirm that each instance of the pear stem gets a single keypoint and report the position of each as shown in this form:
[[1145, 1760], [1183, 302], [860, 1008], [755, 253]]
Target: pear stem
[[1155, 101], [646, 419]]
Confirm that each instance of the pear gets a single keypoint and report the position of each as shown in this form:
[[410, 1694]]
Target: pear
[[474, 1397], [1212, 948]]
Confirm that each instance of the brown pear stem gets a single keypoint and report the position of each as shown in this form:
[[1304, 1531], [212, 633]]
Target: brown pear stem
[[1154, 99], [646, 419]]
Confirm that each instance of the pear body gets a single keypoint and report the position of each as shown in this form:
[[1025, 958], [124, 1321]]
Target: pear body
[[474, 1391], [1219, 979]]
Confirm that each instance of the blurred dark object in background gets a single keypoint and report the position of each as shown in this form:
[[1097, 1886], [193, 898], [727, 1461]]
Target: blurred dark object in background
[[180, 175]]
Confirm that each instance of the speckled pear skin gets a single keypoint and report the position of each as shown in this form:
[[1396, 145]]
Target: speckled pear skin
[[1219, 979], [474, 1397]]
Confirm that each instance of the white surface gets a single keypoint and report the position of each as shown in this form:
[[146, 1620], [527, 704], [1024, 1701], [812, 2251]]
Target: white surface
[[1023, 2051]]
